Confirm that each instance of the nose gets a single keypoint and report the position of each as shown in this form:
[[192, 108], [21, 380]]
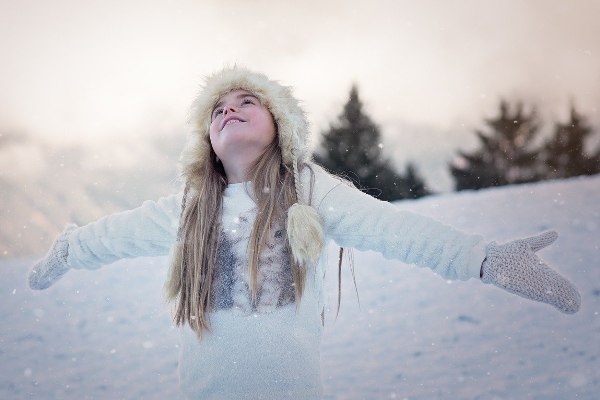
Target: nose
[[228, 108]]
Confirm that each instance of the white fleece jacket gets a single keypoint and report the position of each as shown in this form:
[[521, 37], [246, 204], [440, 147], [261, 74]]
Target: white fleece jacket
[[269, 348]]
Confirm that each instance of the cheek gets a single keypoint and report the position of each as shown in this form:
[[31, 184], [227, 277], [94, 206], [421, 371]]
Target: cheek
[[213, 136], [213, 130], [269, 127]]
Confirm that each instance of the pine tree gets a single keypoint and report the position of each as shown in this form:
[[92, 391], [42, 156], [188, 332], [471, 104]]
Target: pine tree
[[414, 182], [352, 148], [505, 156], [564, 153]]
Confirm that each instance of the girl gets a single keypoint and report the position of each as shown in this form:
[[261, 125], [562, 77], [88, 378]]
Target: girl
[[246, 235]]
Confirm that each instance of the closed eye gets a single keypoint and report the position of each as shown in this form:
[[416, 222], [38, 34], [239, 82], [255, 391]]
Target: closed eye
[[248, 100], [217, 112]]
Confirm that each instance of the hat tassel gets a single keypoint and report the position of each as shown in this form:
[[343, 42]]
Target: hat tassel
[[305, 233], [304, 229]]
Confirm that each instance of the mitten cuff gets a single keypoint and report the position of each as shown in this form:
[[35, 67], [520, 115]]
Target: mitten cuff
[[63, 238], [478, 254]]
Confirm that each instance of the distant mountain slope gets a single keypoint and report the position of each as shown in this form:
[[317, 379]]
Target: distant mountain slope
[[42, 188]]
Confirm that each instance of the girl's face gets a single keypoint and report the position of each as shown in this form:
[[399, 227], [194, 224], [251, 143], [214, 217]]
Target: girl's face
[[241, 127]]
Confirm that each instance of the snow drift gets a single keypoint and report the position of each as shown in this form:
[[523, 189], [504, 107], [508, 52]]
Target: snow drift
[[108, 333]]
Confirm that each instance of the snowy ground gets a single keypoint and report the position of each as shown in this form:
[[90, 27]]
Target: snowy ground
[[107, 334]]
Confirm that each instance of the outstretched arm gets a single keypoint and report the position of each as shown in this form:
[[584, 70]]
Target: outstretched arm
[[149, 230], [352, 218]]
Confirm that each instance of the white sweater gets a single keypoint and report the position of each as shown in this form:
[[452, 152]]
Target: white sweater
[[270, 349]]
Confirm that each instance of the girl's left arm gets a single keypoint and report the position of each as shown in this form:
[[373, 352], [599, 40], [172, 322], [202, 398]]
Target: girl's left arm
[[354, 219]]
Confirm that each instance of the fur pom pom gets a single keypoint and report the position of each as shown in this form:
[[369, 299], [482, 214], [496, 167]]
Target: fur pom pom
[[305, 233]]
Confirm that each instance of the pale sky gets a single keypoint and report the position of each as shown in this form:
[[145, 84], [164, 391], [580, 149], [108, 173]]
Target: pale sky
[[428, 71]]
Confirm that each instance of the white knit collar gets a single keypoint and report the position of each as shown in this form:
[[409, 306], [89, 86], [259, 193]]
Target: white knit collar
[[238, 189]]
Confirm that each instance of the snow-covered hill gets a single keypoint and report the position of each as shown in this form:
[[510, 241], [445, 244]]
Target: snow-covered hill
[[107, 334]]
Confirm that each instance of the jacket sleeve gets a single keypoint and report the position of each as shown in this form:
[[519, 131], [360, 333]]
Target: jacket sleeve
[[149, 230], [352, 218]]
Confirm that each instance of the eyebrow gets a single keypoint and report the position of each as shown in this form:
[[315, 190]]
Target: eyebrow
[[239, 96]]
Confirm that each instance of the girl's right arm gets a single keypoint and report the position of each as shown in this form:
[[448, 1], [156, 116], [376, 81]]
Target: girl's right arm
[[148, 230]]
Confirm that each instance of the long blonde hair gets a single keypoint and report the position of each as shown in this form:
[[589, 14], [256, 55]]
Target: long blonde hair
[[190, 279]]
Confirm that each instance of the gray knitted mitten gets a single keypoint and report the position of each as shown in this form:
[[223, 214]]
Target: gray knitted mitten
[[515, 267], [52, 267]]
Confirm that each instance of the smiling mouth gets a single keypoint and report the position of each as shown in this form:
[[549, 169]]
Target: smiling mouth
[[231, 121]]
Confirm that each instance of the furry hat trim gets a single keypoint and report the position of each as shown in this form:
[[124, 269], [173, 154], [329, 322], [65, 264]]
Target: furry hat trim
[[290, 118], [303, 226]]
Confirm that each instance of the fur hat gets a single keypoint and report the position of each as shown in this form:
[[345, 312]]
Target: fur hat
[[305, 233]]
